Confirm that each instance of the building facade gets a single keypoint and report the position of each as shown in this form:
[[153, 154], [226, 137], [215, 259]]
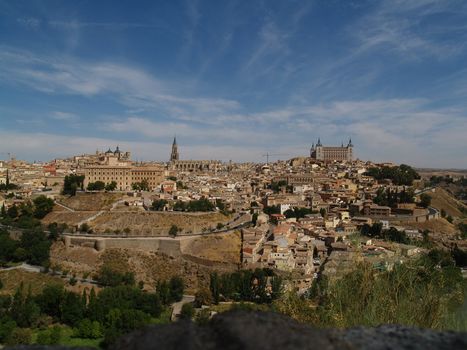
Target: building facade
[[191, 165], [125, 176], [332, 153], [117, 166]]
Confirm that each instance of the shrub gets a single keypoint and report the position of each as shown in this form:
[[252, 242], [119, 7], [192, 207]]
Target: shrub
[[188, 311], [20, 336]]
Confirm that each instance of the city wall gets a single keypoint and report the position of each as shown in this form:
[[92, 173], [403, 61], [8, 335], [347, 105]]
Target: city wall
[[169, 246]]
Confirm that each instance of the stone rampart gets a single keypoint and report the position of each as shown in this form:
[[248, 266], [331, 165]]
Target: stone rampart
[[168, 246]]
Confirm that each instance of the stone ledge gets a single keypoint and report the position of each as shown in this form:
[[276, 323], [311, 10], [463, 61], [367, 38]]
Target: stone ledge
[[261, 330]]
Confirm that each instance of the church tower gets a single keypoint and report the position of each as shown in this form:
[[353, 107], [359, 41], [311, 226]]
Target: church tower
[[174, 154]]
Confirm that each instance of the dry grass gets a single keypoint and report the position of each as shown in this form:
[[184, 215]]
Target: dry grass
[[91, 201], [438, 226], [76, 260], [440, 199], [37, 281], [220, 248], [59, 215], [153, 223]]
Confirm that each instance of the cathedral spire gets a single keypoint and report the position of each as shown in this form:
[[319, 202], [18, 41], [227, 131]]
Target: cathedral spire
[[174, 154]]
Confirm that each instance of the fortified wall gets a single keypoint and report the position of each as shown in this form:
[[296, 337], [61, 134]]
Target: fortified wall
[[168, 246]]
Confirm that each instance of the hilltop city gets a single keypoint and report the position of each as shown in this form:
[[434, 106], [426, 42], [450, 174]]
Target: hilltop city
[[288, 226]]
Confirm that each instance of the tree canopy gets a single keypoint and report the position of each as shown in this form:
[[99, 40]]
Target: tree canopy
[[400, 175]]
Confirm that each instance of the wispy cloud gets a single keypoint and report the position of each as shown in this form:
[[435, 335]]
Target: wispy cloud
[[131, 86], [400, 27], [29, 22], [66, 116], [74, 24]]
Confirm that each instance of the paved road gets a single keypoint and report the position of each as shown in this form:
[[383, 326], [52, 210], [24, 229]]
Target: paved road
[[427, 189], [64, 206], [41, 269], [177, 307], [24, 266]]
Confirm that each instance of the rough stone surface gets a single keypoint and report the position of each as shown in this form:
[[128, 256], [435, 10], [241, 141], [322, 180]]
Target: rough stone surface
[[258, 330], [247, 330]]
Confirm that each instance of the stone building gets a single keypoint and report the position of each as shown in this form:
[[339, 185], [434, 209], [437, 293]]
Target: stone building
[[174, 155], [125, 176], [332, 153], [191, 165], [117, 166]]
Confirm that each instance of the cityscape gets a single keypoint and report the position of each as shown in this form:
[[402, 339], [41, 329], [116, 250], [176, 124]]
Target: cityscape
[[263, 195]]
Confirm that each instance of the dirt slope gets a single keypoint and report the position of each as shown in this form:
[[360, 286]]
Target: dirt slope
[[440, 199]]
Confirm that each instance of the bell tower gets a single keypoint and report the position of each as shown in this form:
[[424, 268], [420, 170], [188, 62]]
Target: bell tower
[[174, 154]]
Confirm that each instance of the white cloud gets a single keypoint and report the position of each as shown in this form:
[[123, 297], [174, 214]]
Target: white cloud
[[57, 115], [404, 129], [131, 86], [29, 22], [399, 27]]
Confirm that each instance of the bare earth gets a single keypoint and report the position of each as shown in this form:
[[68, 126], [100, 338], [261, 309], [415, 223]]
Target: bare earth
[[438, 226], [440, 199], [220, 248], [202, 257], [59, 215], [91, 201]]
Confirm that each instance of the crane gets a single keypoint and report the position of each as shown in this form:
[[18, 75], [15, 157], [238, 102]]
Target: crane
[[267, 155]]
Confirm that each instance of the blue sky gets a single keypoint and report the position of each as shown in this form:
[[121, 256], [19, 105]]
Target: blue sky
[[235, 79]]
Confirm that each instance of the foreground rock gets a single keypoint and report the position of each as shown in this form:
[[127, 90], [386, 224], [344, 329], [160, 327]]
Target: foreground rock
[[258, 330], [248, 330]]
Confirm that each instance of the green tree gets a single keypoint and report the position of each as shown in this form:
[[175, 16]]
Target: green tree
[[96, 186], [203, 297], [55, 335], [158, 205], [72, 183], [187, 312], [20, 336], [50, 300], [425, 200], [176, 287], [163, 290], [112, 186], [13, 211], [37, 245], [84, 227], [24, 310], [7, 325], [173, 231], [109, 277], [84, 328], [42, 206], [214, 287], [71, 308]]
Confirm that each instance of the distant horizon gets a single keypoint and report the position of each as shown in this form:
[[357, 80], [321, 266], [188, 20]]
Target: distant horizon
[[272, 159], [234, 80]]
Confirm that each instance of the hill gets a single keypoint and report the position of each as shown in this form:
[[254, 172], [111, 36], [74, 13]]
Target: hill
[[441, 199]]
